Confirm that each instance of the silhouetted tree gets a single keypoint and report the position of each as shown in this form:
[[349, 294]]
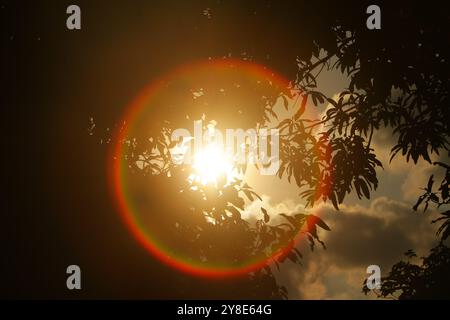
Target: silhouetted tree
[[399, 78], [431, 279], [428, 280]]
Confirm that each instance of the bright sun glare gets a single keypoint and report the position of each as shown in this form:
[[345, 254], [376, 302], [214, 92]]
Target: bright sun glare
[[211, 163]]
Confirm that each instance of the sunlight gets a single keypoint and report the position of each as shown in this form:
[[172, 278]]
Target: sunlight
[[211, 164]]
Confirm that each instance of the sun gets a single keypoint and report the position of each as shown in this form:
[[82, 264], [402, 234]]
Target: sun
[[211, 164]]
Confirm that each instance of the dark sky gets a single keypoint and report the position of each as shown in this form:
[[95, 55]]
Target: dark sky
[[57, 209]]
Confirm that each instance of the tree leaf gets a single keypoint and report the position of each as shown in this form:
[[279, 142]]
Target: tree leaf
[[266, 216], [332, 197], [285, 102], [430, 183], [365, 189], [312, 219]]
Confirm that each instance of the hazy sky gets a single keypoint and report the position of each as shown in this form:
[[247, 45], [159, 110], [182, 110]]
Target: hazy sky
[[61, 204]]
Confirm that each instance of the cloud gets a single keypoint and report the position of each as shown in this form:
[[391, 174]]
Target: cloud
[[378, 234], [403, 179], [364, 232], [417, 178]]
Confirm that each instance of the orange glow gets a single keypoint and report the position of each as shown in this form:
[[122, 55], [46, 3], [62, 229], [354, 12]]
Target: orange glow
[[206, 170]]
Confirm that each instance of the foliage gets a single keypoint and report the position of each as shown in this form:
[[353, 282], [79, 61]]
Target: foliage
[[439, 198], [428, 280], [203, 219], [398, 79], [431, 279]]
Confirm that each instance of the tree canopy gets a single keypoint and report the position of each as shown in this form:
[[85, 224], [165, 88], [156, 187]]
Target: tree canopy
[[398, 79]]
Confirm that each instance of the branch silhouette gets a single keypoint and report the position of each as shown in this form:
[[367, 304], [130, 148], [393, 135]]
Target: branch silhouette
[[398, 80]]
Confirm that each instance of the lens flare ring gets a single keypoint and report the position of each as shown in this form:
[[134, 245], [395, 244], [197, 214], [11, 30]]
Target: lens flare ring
[[208, 171]]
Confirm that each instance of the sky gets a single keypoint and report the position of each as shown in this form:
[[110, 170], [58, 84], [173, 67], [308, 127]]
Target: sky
[[376, 231], [60, 210]]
